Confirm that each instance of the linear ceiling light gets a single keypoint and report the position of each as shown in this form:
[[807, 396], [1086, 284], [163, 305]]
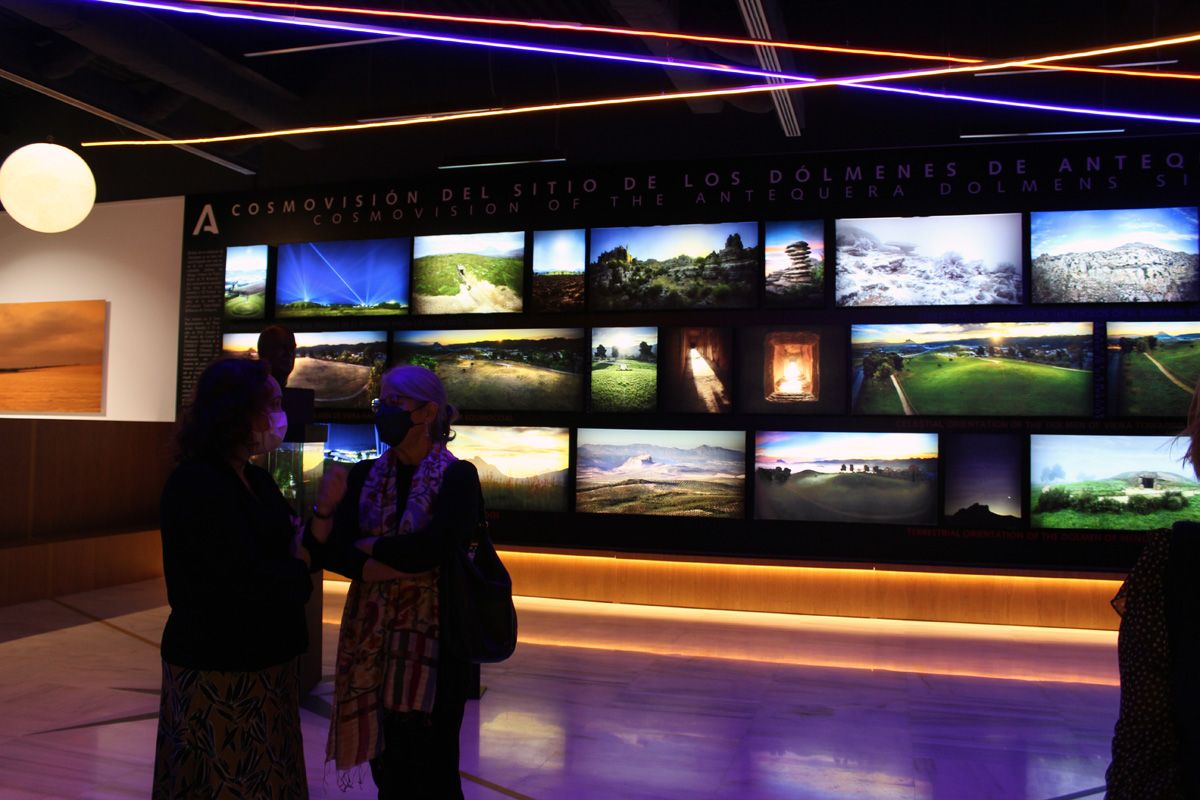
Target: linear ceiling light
[[1039, 133]]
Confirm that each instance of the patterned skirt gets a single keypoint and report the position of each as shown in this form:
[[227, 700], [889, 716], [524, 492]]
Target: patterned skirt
[[230, 735]]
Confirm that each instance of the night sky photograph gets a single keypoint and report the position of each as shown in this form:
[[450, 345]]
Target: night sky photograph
[[983, 476]]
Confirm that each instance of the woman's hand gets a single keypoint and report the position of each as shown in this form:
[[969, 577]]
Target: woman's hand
[[329, 495], [367, 544]]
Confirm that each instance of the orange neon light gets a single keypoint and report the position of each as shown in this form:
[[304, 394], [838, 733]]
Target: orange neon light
[[576, 27], [856, 80]]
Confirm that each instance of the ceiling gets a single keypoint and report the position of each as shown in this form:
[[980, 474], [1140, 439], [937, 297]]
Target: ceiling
[[184, 75]]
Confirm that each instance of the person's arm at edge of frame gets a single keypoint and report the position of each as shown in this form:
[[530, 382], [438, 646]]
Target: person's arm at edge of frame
[[331, 532]]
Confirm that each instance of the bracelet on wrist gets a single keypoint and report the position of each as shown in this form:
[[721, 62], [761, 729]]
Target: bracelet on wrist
[[317, 513]]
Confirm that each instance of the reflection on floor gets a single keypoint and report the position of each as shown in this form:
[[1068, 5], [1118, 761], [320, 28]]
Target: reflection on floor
[[625, 703]]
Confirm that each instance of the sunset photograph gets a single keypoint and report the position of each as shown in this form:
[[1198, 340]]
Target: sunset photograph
[[52, 356]]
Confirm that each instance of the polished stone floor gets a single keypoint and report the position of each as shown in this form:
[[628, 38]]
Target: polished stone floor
[[629, 703]]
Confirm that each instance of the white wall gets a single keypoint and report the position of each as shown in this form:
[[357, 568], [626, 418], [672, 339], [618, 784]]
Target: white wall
[[128, 254]]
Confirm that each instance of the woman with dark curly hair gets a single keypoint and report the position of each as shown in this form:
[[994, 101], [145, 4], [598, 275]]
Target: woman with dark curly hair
[[237, 580]]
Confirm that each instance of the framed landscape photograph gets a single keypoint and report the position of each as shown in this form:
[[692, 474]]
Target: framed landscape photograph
[[697, 370], [795, 264], [534, 369], [1130, 255], [469, 273], [670, 473], [966, 260], [559, 264], [792, 369], [52, 357], [342, 368], [520, 468], [367, 277], [246, 282], [886, 478], [1007, 369], [1110, 482], [624, 369], [983, 479], [1153, 368], [674, 266]]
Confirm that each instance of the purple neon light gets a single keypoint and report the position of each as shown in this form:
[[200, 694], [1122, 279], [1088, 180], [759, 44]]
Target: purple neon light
[[855, 82]]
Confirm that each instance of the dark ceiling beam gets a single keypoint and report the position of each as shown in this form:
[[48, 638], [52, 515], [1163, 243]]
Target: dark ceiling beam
[[764, 20], [156, 50]]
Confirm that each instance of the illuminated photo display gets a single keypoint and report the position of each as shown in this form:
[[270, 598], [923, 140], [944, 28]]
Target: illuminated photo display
[[674, 266], [983, 474], [792, 369], [624, 369], [343, 368], [697, 370], [1110, 482], [929, 261], [795, 264], [1153, 368], [349, 443], [671, 473], [534, 369], [343, 279], [520, 468], [246, 282], [1134, 255], [882, 478], [469, 273], [996, 369], [559, 263]]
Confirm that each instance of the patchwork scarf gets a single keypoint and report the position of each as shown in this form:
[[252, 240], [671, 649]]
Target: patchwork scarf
[[388, 646]]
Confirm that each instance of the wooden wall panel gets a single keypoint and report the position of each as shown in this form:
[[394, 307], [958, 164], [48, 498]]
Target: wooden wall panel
[[81, 565], [16, 452]]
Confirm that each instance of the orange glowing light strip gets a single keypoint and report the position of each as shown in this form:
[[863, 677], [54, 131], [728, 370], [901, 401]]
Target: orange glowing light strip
[[652, 34], [582, 28], [857, 80]]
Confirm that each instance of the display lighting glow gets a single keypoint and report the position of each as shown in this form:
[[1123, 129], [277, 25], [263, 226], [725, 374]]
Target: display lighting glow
[[801, 82]]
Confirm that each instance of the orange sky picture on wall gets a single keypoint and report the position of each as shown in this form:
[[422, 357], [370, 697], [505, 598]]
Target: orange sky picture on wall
[[52, 357]]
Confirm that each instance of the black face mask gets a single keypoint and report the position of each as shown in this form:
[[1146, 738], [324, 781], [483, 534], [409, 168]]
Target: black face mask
[[393, 424]]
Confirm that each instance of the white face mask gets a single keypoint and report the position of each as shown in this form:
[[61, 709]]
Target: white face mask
[[272, 437]]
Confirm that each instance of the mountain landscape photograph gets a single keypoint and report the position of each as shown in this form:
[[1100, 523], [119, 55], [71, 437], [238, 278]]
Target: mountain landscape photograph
[[674, 267], [534, 369], [520, 468], [1153, 368], [1133, 255], [966, 260], [671, 473], [246, 282], [1110, 482], [881, 478], [982, 477], [998, 369], [470, 273]]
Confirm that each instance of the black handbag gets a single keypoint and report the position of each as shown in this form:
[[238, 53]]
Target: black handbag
[[481, 615]]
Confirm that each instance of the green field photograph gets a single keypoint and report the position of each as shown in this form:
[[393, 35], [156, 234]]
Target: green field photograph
[[1153, 368], [559, 261], [473, 273], [1110, 482], [246, 282], [883, 478], [535, 369], [342, 368], [668, 473], [520, 468], [992, 369], [624, 369], [674, 266], [353, 278]]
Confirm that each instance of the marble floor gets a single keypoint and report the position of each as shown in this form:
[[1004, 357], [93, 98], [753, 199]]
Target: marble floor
[[629, 703]]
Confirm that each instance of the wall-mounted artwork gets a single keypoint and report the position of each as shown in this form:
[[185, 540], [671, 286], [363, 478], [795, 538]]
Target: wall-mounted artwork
[[1133, 255], [624, 369], [343, 279], [349, 443], [674, 266], [983, 479], [535, 369], [963, 260], [697, 370], [1110, 482], [52, 357], [471, 273], [846, 477], [996, 369], [520, 468], [559, 261], [246, 282], [674, 473], [792, 369], [342, 368], [1153, 368], [795, 264]]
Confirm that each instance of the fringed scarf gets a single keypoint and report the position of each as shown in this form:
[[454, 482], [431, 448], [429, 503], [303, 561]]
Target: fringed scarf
[[388, 648]]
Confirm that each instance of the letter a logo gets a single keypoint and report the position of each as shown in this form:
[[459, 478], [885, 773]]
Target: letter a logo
[[207, 221]]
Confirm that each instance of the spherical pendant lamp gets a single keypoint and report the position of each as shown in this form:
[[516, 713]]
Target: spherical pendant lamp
[[46, 187]]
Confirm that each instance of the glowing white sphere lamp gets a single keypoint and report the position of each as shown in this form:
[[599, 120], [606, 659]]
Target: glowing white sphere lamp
[[46, 187]]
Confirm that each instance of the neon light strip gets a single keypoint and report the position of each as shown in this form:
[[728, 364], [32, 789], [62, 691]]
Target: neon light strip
[[576, 27]]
